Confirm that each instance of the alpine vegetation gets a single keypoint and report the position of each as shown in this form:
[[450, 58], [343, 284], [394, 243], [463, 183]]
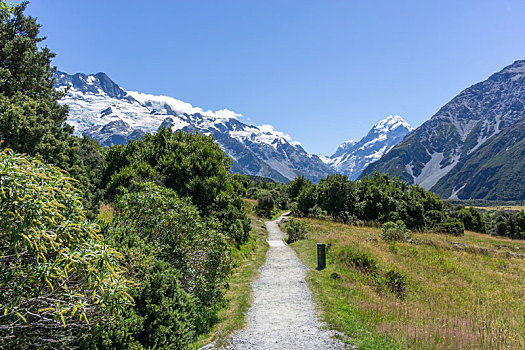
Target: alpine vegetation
[[151, 270]]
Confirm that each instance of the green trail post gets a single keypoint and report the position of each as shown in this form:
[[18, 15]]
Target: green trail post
[[321, 256]]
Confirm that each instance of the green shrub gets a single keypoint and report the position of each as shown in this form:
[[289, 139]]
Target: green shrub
[[392, 280], [345, 217], [183, 263], [364, 262], [131, 177], [358, 259], [157, 221], [191, 164], [453, 227], [316, 212], [395, 231], [56, 272], [507, 224], [163, 316], [396, 282], [295, 186], [296, 230], [434, 217], [472, 219], [265, 206], [306, 199]]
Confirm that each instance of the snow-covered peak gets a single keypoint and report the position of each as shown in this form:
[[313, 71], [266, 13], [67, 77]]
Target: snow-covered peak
[[94, 84], [101, 109], [325, 159], [390, 123], [348, 143], [351, 157]]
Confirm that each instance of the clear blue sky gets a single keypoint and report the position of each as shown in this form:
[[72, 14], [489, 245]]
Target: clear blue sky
[[322, 71]]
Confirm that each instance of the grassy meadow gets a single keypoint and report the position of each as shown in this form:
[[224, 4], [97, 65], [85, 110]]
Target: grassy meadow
[[436, 292], [502, 207]]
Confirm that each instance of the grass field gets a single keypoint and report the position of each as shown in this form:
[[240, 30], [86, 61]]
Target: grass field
[[247, 260], [503, 207], [438, 292]]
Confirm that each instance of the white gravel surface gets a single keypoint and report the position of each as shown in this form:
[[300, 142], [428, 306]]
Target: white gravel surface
[[282, 315]]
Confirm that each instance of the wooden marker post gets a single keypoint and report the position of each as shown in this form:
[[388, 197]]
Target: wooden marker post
[[321, 256]]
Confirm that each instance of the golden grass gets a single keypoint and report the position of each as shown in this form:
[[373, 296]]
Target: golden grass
[[503, 207], [462, 292]]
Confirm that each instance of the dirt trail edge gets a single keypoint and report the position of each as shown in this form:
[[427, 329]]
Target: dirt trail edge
[[282, 315]]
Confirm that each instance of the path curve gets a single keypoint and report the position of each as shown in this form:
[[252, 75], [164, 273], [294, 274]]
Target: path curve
[[282, 315]]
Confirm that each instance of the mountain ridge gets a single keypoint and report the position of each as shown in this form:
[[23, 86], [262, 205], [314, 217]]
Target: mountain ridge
[[352, 157], [104, 111], [438, 149]]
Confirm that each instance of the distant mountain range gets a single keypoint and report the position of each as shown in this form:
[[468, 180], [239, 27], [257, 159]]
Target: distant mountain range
[[352, 157], [103, 110], [473, 147]]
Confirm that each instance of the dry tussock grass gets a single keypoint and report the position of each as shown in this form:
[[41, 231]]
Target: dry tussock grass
[[462, 292]]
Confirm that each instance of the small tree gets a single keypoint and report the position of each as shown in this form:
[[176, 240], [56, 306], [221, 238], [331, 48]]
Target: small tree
[[307, 199], [295, 186], [265, 205]]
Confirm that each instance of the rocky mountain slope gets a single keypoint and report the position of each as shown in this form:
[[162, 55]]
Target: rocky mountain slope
[[103, 110], [352, 157], [473, 147]]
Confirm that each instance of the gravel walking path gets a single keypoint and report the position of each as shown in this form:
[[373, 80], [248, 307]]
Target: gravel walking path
[[282, 315]]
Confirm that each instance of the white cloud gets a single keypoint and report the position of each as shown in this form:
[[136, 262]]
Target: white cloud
[[158, 103], [181, 106], [269, 128]]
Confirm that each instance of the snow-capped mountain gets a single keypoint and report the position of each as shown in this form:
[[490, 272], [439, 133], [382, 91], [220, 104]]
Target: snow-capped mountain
[[352, 157], [473, 147], [101, 109]]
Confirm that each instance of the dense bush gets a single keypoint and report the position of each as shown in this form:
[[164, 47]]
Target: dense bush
[[296, 186], [395, 231], [395, 281], [472, 219], [191, 164], [265, 205], [383, 199], [377, 198], [56, 272], [434, 217], [306, 200], [454, 227], [296, 230], [163, 221], [336, 195], [182, 261], [509, 224], [163, 316]]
